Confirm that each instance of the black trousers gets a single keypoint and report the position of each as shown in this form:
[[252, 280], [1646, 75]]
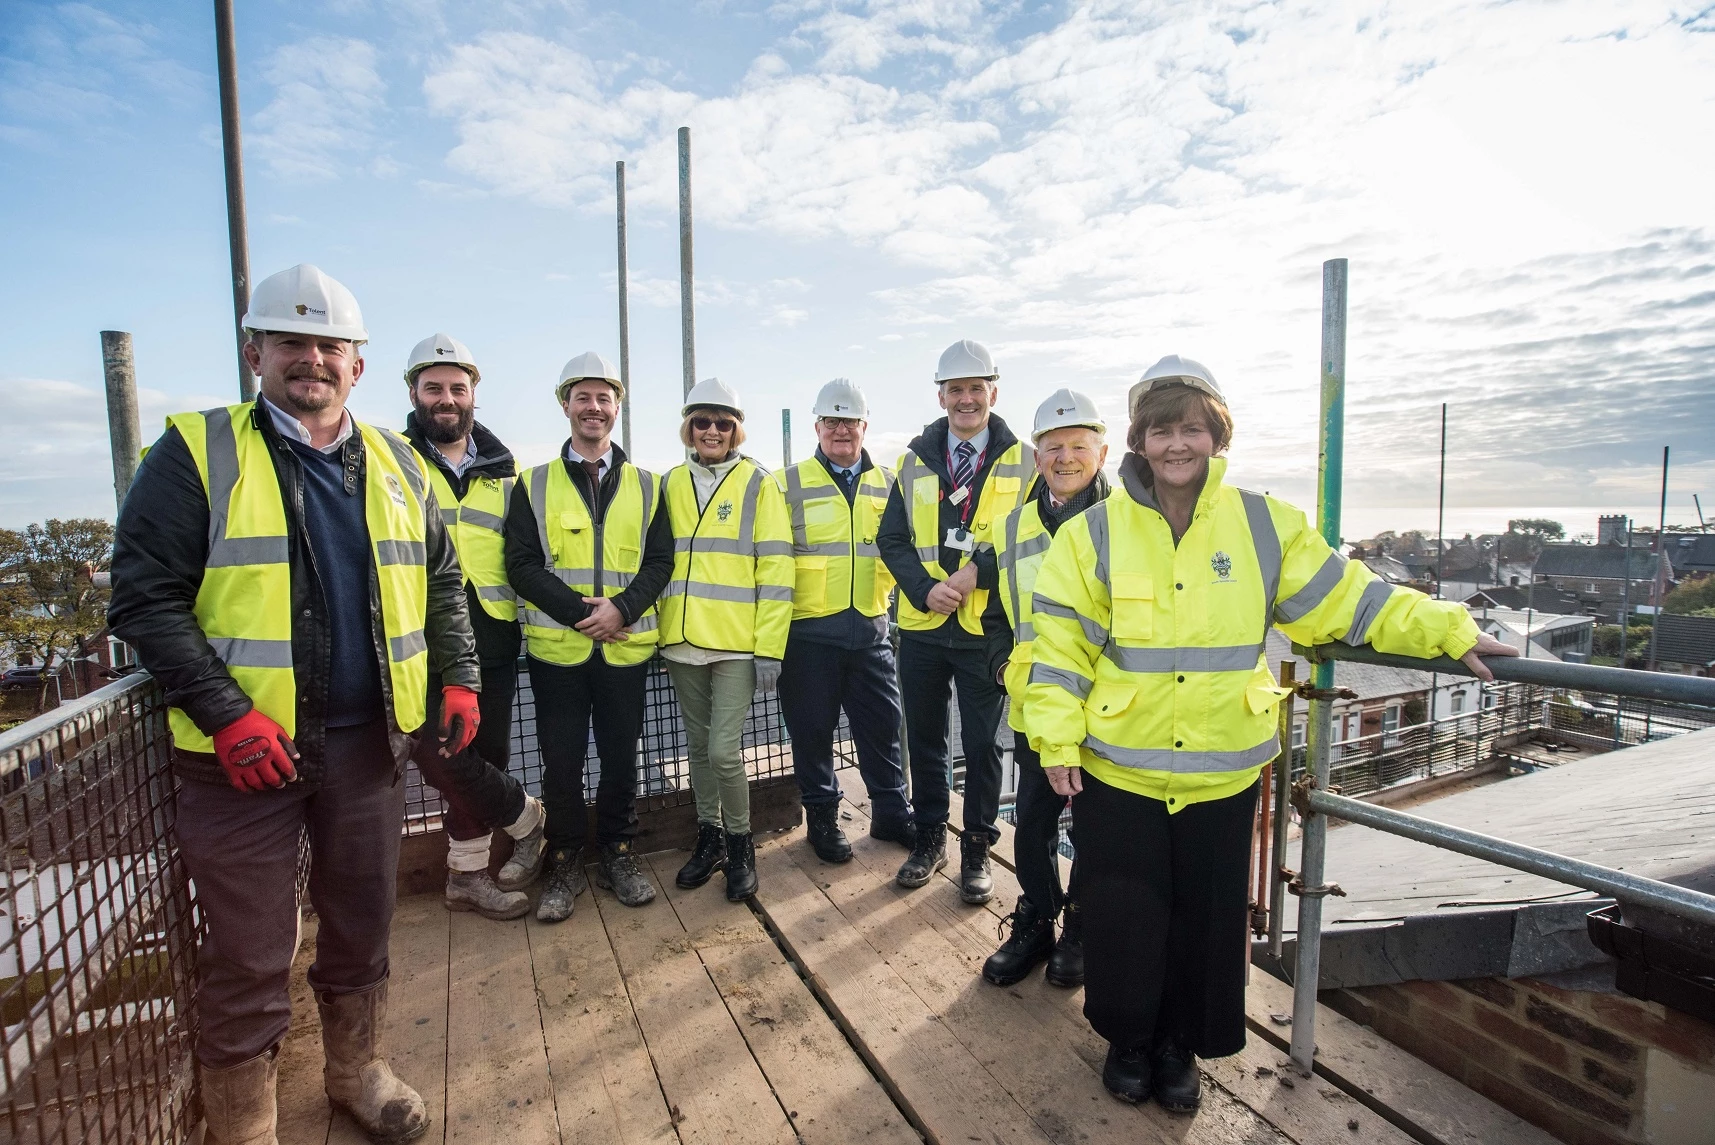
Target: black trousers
[[479, 792], [568, 700], [1164, 900], [241, 849], [929, 673], [1036, 836], [816, 681]]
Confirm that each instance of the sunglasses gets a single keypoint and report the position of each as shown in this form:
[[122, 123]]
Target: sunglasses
[[703, 424]]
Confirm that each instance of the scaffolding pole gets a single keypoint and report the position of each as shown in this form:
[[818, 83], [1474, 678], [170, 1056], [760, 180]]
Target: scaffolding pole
[[232, 147], [624, 315], [687, 307]]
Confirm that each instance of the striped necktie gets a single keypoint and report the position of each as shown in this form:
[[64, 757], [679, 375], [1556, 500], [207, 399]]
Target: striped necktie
[[962, 469]]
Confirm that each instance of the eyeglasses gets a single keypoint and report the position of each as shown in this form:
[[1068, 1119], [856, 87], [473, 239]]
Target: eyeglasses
[[842, 422], [703, 424]]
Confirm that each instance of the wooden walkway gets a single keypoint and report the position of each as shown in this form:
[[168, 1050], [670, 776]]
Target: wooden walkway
[[838, 1009]]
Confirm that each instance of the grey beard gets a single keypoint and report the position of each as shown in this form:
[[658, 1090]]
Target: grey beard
[[434, 430]]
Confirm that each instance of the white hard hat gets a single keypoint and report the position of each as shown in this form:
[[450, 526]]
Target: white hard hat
[[303, 300], [440, 349], [712, 392], [1063, 409], [1173, 368], [840, 398], [965, 359], [588, 364]]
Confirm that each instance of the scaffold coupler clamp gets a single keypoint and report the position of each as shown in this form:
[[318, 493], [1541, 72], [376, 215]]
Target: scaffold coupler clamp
[[1305, 690], [1297, 887], [1301, 789]]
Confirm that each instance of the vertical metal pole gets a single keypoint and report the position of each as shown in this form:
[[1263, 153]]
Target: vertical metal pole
[[124, 430], [687, 310], [785, 438], [237, 228], [1282, 795], [1308, 971], [1660, 550], [1440, 502], [624, 315], [1625, 623]]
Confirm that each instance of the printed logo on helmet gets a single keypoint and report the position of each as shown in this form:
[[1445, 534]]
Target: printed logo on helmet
[[304, 308]]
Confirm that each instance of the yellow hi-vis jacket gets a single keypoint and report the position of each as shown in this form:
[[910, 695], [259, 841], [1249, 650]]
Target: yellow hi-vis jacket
[[732, 564], [244, 604], [836, 561], [476, 525], [579, 550], [1148, 669], [1004, 488]]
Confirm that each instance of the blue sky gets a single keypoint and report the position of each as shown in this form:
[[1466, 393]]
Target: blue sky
[[1522, 190]]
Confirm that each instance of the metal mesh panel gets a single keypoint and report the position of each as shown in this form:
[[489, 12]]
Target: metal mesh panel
[[98, 929]]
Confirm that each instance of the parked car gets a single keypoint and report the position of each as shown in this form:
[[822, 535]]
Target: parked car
[[25, 677]]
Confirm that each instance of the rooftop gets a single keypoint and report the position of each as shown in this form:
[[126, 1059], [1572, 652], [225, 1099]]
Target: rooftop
[[1599, 562], [1685, 639], [1369, 681]]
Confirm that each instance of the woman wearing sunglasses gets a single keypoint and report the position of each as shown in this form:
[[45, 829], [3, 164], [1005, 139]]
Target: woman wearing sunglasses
[[724, 619]]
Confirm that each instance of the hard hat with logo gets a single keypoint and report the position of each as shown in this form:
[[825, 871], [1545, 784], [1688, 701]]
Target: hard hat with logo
[[1064, 409], [1171, 369], [965, 359], [713, 393], [840, 398], [589, 364], [440, 349], [303, 300]]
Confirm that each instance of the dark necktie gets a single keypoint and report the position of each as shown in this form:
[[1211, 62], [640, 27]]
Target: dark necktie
[[962, 467], [593, 468]]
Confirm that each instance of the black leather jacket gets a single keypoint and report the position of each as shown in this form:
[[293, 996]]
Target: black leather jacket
[[160, 548]]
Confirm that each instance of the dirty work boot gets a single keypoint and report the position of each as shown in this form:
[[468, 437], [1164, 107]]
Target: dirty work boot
[[822, 826], [474, 890], [1066, 964], [562, 886], [1031, 943], [1176, 1082], [976, 884], [905, 834], [527, 854], [708, 857], [1126, 1073], [356, 1076], [740, 867], [928, 855], [238, 1102], [619, 873]]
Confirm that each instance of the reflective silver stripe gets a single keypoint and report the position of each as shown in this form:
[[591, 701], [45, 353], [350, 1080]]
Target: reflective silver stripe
[[1074, 683], [402, 648], [733, 593], [613, 578], [1025, 632], [747, 514], [775, 592], [1093, 632], [1314, 592], [408, 460], [1096, 520], [868, 550], [1009, 558], [1031, 546], [797, 492], [539, 506], [795, 507], [1267, 544], [908, 476], [506, 497], [1375, 595], [929, 554], [584, 575], [230, 552], [879, 492], [481, 519], [733, 546], [826, 549], [1233, 658], [388, 552], [1185, 762], [649, 622], [221, 446], [449, 517], [543, 620], [239, 652], [646, 480], [774, 548], [495, 592]]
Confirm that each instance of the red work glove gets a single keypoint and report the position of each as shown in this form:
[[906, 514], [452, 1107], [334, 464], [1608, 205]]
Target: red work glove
[[256, 752], [459, 719]]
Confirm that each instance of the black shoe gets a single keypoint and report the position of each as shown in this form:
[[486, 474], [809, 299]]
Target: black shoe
[[1176, 1082], [740, 867], [618, 872], [976, 885], [822, 826], [561, 886], [1066, 964], [928, 855], [706, 858], [1031, 943], [1126, 1074], [905, 834]]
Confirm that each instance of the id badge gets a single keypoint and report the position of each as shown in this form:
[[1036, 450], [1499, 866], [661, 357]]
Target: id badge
[[961, 540]]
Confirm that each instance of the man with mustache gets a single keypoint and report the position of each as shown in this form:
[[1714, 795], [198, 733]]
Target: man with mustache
[[588, 549], [473, 474]]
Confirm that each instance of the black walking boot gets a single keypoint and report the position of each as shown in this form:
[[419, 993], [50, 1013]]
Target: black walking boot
[[706, 859], [928, 855], [976, 885], [618, 872], [562, 886], [822, 826], [1126, 1073], [1066, 964], [1177, 1084], [740, 867], [1031, 943], [905, 834]]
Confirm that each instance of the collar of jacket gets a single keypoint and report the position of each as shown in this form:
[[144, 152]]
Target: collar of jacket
[[493, 458], [930, 446], [1140, 483], [864, 463], [1051, 518], [351, 452]]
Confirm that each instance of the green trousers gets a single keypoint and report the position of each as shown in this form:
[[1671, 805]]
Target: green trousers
[[714, 700]]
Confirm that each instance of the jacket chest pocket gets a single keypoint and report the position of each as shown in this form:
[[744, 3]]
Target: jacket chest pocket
[[571, 540], [1133, 606], [824, 512]]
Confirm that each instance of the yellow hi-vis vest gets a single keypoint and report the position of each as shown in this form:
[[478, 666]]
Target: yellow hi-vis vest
[[837, 563], [1148, 666], [732, 565], [475, 525], [1024, 545], [579, 549], [1003, 489], [244, 605]]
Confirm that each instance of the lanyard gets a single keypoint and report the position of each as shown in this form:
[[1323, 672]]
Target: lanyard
[[968, 503]]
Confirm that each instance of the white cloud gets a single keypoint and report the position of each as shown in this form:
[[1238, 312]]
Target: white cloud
[[321, 122]]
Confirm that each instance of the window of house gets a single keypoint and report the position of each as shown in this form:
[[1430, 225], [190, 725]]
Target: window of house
[[1488, 699], [1390, 724], [1458, 700], [1299, 734], [119, 653]]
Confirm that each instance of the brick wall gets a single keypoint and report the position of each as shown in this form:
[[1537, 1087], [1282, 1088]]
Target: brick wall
[[1590, 1067]]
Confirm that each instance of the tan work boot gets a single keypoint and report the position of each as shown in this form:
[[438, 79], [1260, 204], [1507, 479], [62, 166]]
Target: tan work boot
[[474, 890], [356, 1077], [238, 1102]]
